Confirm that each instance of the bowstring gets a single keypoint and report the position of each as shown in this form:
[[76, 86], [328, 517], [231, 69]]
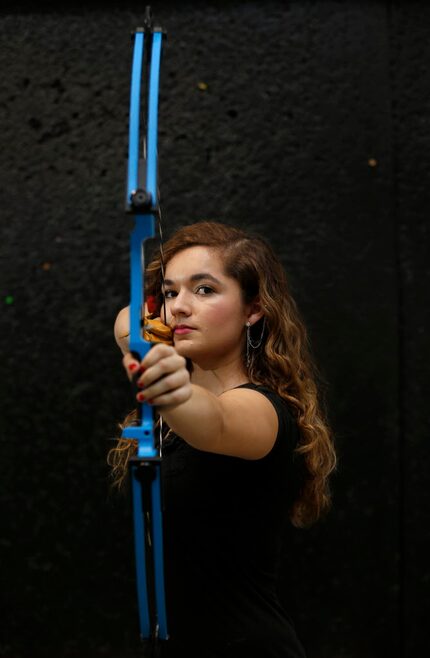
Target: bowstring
[[160, 235]]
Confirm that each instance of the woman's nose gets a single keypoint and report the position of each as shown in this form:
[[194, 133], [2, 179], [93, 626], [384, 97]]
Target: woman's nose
[[181, 304]]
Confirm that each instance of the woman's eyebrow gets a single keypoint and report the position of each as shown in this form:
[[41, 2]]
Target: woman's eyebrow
[[195, 277]]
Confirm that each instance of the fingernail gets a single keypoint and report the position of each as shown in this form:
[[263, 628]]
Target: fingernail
[[140, 397], [150, 401], [132, 366], [140, 384]]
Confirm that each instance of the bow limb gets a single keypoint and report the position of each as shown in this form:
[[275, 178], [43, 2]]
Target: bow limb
[[142, 202]]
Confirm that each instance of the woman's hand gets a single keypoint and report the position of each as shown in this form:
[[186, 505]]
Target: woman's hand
[[163, 376], [121, 329]]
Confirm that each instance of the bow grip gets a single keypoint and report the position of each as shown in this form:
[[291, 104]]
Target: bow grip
[[143, 432]]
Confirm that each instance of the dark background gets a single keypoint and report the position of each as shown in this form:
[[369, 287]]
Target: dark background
[[314, 130]]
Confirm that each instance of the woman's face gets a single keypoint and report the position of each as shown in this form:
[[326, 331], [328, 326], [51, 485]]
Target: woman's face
[[204, 307]]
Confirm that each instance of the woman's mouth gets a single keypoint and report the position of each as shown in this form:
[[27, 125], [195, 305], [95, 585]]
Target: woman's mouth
[[182, 329]]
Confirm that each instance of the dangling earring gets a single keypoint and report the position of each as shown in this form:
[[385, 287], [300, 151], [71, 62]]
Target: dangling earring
[[254, 344]]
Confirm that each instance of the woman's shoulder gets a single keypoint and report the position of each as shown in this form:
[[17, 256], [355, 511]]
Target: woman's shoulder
[[286, 418], [279, 402]]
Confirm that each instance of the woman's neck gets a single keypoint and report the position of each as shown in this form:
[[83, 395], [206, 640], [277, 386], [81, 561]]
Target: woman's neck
[[219, 380]]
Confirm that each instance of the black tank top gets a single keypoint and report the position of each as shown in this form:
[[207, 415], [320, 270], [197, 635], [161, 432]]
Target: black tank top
[[223, 524]]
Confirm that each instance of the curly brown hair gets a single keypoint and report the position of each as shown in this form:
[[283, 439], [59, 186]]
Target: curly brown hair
[[285, 365]]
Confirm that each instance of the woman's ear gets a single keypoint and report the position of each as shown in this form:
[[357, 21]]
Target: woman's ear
[[255, 312], [121, 329]]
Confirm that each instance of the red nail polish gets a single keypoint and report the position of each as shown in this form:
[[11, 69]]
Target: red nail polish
[[140, 397], [132, 366]]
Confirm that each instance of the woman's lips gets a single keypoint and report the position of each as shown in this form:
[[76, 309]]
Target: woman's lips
[[183, 329]]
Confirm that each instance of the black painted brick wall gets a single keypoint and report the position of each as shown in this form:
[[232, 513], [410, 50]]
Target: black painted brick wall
[[314, 130]]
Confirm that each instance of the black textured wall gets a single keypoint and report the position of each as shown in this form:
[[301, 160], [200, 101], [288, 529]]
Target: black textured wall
[[312, 127]]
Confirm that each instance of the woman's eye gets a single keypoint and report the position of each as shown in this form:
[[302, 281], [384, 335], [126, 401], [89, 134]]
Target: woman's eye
[[204, 290], [169, 294]]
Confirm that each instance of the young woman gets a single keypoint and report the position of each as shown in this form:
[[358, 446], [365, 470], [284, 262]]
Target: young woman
[[248, 447]]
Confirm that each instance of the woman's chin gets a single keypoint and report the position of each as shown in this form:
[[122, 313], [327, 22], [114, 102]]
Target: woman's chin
[[191, 351], [183, 347]]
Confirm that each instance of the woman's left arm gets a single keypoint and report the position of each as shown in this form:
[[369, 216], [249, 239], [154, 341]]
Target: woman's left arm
[[240, 422]]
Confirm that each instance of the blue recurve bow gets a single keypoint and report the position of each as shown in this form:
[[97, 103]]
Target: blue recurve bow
[[142, 201]]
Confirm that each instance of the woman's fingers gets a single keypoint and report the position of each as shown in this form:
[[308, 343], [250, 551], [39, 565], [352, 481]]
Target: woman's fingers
[[162, 376], [130, 364], [175, 386], [163, 358], [157, 353], [166, 366]]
